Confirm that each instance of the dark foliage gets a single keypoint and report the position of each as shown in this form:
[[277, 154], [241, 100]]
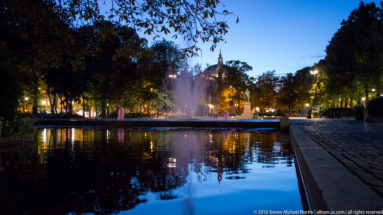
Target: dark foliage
[[375, 107]]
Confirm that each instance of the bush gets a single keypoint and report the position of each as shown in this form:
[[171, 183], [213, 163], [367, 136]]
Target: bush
[[20, 126], [375, 107]]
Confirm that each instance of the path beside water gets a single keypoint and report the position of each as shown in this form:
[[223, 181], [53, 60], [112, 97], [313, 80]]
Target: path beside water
[[341, 162]]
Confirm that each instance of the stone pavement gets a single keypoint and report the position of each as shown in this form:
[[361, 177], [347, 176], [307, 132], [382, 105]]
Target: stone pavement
[[355, 144]]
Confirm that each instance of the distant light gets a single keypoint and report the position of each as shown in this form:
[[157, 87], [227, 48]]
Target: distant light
[[72, 136], [363, 99], [307, 104], [381, 94], [26, 98], [172, 162], [373, 89], [257, 109], [44, 102], [340, 99], [210, 106], [172, 76], [314, 72], [45, 135]]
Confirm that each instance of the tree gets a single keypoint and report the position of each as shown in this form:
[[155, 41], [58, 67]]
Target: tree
[[196, 20], [266, 95], [11, 53], [287, 95], [303, 81], [39, 28], [113, 63], [164, 57], [237, 78], [354, 55]]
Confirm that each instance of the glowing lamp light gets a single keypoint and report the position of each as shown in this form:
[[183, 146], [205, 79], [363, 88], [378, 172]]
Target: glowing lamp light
[[373, 89], [26, 98], [172, 76], [314, 72], [307, 104], [363, 99], [43, 102], [257, 109], [210, 106]]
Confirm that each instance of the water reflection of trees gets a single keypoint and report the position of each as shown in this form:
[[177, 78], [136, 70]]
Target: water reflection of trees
[[82, 171]]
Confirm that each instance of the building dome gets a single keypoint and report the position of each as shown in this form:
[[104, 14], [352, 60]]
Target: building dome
[[217, 71]]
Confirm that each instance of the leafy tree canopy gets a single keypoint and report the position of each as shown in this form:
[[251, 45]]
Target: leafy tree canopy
[[195, 20]]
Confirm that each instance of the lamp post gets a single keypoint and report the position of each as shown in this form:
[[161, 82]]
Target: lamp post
[[315, 73]]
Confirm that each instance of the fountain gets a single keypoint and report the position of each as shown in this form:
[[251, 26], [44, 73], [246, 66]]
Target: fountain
[[190, 92]]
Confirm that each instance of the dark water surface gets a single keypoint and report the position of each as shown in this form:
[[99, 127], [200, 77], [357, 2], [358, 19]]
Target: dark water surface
[[104, 171]]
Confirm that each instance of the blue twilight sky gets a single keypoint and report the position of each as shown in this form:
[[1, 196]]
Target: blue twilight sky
[[280, 35]]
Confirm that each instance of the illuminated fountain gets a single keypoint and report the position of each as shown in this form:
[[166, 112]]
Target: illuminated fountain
[[189, 92]]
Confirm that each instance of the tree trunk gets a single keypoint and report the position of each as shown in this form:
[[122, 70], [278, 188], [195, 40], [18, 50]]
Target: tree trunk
[[35, 95], [51, 104], [61, 104], [83, 107], [103, 107], [366, 93], [239, 105], [90, 108]]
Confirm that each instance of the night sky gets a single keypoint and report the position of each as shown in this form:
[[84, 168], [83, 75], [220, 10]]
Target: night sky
[[280, 35]]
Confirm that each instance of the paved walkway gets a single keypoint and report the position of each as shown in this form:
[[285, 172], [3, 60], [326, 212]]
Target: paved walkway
[[357, 145]]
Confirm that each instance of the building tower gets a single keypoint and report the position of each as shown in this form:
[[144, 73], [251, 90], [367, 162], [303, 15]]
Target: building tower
[[220, 60]]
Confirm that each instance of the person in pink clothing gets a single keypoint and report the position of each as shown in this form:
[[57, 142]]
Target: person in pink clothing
[[121, 113], [226, 115]]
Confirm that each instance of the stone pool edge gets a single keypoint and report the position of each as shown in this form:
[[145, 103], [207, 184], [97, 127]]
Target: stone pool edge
[[161, 123], [328, 184]]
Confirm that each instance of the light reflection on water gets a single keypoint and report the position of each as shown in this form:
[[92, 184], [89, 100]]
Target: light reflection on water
[[128, 171]]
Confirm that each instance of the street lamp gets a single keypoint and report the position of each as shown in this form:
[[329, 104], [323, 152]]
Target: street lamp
[[314, 72]]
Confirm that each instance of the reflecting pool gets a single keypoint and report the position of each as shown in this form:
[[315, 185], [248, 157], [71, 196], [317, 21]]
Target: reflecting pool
[[149, 171]]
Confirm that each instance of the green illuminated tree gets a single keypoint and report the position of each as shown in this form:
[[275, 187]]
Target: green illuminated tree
[[354, 55], [237, 77], [266, 94]]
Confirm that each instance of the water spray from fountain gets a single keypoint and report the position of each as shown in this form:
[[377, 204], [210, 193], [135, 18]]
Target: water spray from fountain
[[190, 91]]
